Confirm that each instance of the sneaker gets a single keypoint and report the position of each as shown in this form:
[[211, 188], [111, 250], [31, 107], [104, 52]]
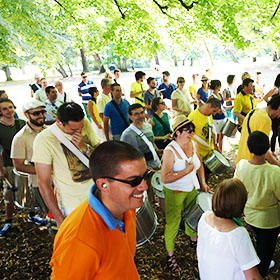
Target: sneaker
[[272, 264], [6, 228], [36, 220]]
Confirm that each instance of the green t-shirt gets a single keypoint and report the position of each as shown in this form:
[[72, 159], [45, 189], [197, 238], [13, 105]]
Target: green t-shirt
[[158, 128], [7, 133]]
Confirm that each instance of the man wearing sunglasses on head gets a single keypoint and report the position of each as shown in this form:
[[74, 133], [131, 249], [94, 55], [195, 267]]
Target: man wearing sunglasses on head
[[21, 152], [98, 239]]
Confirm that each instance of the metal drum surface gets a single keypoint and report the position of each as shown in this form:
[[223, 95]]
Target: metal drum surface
[[157, 184], [146, 222], [229, 128], [22, 196], [216, 162], [193, 215]]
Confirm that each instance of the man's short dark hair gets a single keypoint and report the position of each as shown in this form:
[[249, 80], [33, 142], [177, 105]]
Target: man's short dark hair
[[2, 92], [139, 75], [246, 82], [214, 84], [117, 70], [258, 143], [150, 79], [215, 102], [277, 81], [230, 79], [155, 103], [2, 100], [83, 73], [274, 102], [133, 107], [166, 73], [106, 159], [229, 199], [48, 89], [114, 85], [70, 111]]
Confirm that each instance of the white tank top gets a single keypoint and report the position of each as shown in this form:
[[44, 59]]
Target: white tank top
[[189, 181]]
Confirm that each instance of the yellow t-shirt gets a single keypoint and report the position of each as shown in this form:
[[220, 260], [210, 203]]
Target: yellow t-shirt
[[183, 101], [259, 121], [201, 123], [244, 104], [102, 101], [137, 87], [71, 177], [262, 183], [193, 89], [95, 111]]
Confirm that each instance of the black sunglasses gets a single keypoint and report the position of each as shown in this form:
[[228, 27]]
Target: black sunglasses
[[37, 113], [181, 82], [84, 77], [135, 182], [188, 130], [162, 103]]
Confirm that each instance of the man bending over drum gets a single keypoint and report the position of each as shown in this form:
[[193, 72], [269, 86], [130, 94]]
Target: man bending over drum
[[98, 239], [181, 163]]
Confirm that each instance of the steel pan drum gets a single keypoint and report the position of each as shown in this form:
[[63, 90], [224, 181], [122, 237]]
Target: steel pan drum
[[193, 215], [22, 196], [146, 222], [157, 184], [229, 128], [216, 162]]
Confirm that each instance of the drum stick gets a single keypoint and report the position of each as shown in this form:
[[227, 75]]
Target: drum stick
[[8, 183]]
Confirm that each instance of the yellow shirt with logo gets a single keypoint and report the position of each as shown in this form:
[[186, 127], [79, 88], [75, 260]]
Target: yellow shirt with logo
[[71, 177], [137, 87], [244, 103], [202, 130]]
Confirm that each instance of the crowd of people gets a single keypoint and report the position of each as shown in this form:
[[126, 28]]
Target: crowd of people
[[89, 166]]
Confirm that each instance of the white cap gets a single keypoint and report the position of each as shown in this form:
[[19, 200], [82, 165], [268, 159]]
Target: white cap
[[32, 104]]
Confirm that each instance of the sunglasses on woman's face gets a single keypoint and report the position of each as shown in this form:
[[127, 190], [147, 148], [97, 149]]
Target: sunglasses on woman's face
[[181, 82], [188, 130], [134, 182], [162, 103]]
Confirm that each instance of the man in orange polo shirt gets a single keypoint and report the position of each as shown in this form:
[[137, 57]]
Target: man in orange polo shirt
[[98, 239]]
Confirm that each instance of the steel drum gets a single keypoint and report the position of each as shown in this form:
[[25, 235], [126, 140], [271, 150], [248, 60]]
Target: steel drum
[[146, 222], [22, 195], [193, 214], [230, 128], [216, 162], [158, 188]]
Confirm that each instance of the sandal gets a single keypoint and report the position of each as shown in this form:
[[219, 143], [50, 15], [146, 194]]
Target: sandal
[[193, 243], [172, 264]]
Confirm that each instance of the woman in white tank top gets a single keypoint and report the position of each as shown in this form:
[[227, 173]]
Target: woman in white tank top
[[180, 167]]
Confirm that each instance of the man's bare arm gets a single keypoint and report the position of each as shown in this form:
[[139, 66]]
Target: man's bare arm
[[44, 172], [22, 167]]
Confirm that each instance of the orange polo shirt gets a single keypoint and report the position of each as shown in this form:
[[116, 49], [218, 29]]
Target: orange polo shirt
[[86, 247]]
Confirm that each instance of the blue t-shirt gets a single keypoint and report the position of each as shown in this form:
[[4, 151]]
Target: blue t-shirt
[[167, 90], [148, 98], [116, 122], [203, 95], [83, 89]]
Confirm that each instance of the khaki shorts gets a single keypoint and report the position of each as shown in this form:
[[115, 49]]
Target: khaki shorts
[[7, 193]]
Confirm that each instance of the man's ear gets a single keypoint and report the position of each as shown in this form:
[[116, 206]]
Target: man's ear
[[102, 184]]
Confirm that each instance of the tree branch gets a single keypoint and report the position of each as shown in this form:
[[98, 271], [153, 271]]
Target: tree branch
[[163, 9], [277, 8], [188, 7], [119, 8], [59, 4]]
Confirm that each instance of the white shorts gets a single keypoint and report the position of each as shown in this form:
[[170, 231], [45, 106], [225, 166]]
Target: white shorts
[[218, 125]]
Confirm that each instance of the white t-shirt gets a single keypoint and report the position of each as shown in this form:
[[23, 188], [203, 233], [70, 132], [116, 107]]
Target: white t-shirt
[[224, 255]]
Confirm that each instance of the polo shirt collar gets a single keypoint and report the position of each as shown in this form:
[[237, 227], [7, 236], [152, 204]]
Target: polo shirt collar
[[100, 209]]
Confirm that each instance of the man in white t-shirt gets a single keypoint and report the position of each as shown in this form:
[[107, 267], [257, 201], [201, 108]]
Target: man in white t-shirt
[[61, 94]]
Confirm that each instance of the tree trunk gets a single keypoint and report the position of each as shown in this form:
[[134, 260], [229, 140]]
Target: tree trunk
[[102, 69], [124, 65], [70, 70], [191, 61], [184, 62], [7, 71], [157, 59], [175, 60], [97, 60], [119, 62], [232, 56], [209, 53], [254, 59], [84, 61], [61, 70]]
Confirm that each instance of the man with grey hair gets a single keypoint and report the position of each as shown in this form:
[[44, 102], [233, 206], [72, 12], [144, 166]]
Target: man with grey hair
[[61, 94], [105, 96]]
